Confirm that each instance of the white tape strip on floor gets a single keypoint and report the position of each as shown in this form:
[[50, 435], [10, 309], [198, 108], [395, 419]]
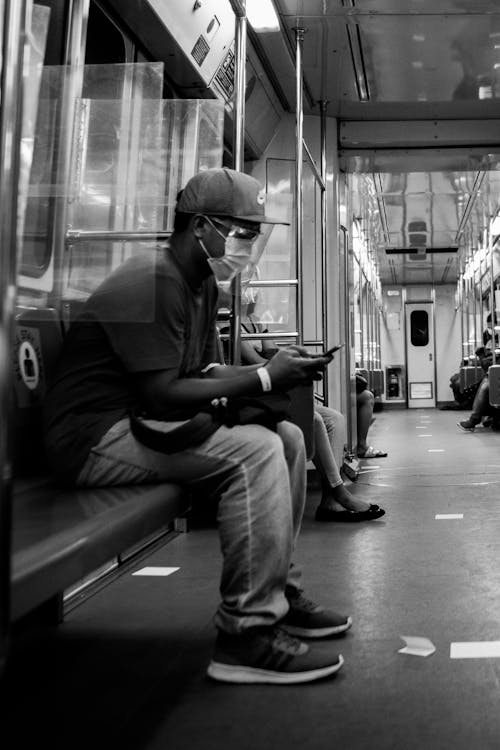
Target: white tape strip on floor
[[475, 650], [449, 516], [416, 645], [155, 571], [436, 450]]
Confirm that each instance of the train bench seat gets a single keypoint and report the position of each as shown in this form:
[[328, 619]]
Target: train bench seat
[[61, 536]]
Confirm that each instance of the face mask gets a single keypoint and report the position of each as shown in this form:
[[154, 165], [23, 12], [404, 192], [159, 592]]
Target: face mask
[[236, 256], [249, 296]]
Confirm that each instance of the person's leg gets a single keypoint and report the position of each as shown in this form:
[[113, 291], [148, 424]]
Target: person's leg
[[329, 429], [480, 406], [364, 413], [259, 479], [336, 428]]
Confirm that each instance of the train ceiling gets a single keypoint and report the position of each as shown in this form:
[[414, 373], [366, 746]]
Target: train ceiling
[[415, 85]]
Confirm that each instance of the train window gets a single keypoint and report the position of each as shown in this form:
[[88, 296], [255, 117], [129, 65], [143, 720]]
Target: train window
[[130, 159], [105, 42], [37, 153], [419, 328]]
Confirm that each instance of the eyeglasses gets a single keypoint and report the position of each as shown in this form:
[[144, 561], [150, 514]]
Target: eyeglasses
[[241, 233]]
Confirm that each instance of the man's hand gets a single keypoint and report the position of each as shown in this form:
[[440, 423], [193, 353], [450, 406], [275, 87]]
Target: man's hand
[[295, 366]]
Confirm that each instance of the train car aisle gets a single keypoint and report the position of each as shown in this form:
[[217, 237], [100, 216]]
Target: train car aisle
[[127, 668]]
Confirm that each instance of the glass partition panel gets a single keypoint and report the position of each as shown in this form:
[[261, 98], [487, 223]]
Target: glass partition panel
[[130, 159], [276, 306], [130, 84], [37, 38]]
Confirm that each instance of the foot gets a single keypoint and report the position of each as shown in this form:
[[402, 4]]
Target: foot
[[371, 452], [466, 425], [269, 655], [306, 619], [339, 498], [349, 516]]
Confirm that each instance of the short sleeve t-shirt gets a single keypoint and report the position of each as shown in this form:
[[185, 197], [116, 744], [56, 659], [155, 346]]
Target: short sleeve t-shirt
[[144, 317]]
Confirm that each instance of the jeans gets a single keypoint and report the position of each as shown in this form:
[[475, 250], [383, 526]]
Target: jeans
[[259, 479], [329, 440], [481, 406]]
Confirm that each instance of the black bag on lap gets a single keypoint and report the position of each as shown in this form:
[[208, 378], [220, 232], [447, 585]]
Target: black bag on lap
[[267, 410]]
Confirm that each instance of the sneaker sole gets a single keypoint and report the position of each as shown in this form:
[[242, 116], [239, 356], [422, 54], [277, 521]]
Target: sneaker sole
[[317, 632], [465, 429], [247, 675]]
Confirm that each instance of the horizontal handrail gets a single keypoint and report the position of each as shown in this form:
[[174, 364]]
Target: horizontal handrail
[[273, 283], [256, 336], [83, 235]]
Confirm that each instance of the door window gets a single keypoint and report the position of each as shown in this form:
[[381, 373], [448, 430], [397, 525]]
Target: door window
[[419, 327]]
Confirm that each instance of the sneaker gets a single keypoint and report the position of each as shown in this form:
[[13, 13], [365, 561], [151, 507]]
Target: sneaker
[[269, 655], [306, 619], [466, 425]]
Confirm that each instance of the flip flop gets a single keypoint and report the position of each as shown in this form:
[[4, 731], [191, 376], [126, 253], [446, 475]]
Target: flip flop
[[372, 452]]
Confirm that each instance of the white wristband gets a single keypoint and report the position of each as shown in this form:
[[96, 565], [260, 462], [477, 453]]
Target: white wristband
[[265, 379]]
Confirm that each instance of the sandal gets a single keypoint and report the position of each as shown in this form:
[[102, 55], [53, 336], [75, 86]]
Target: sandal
[[372, 452]]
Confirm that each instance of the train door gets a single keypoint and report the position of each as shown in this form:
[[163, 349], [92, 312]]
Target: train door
[[420, 354]]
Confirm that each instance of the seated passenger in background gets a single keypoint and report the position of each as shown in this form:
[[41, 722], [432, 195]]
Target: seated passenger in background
[[365, 401], [147, 340], [337, 503], [481, 407]]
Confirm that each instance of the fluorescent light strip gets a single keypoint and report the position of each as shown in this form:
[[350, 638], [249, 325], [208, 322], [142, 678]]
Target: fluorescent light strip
[[262, 15]]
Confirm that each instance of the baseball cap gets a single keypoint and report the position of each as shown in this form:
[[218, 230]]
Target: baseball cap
[[225, 192]]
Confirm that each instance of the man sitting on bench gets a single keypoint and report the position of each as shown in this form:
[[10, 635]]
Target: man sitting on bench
[[146, 340]]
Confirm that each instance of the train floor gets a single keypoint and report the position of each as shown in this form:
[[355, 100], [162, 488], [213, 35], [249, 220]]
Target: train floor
[[127, 668]]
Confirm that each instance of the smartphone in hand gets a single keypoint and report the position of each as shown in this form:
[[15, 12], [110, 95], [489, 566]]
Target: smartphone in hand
[[331, 351]]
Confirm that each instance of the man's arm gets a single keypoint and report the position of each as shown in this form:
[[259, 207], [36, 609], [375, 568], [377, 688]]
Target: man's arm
[[289, 367]]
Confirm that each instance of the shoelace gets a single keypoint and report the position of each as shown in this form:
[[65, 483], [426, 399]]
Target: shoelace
[[302, 602]]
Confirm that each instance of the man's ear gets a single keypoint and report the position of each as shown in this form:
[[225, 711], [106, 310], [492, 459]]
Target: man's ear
[[199, 225]]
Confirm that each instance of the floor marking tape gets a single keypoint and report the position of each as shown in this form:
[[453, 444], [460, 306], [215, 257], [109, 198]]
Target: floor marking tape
[[448, 516], [155, 571], [436, 450], [475, 650]]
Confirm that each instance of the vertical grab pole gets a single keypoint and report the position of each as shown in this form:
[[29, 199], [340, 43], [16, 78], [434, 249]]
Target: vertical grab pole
[[492, 294], [475, 308], [347, 337], [474, 299], [240, 54], [13, 22], [324, 265], [462, 295], [299, 133], [467, 320]]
